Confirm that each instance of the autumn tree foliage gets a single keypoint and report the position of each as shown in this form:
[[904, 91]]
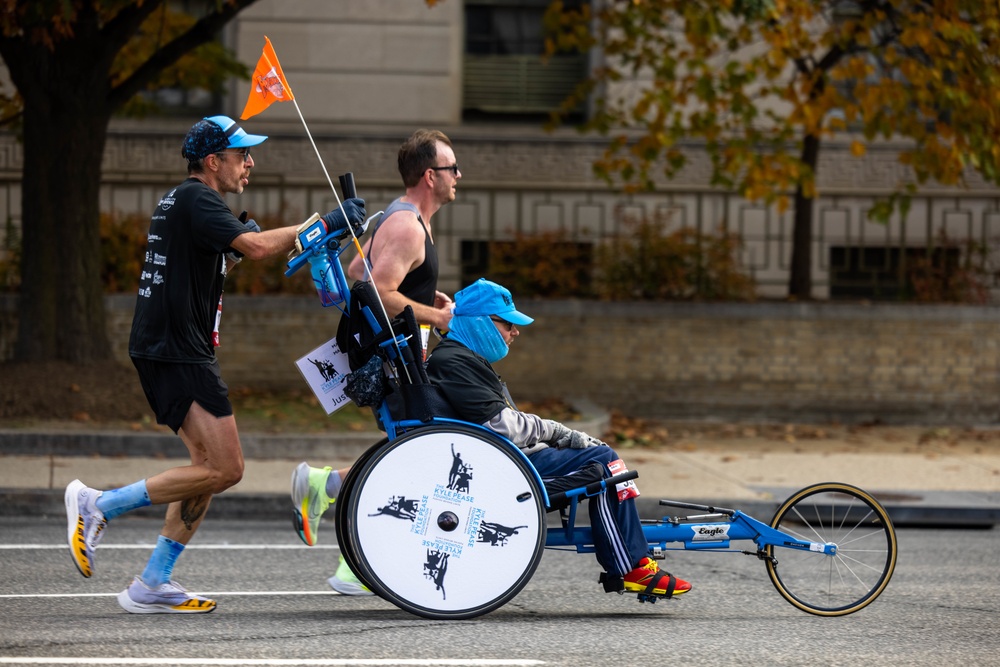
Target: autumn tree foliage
[[75, 63], [762, 83]]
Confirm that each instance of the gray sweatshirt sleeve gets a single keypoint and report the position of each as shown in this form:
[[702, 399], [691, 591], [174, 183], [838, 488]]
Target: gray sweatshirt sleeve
[[529, 432]]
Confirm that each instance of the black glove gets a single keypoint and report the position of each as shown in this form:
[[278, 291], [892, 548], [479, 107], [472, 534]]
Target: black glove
[[355, 210]]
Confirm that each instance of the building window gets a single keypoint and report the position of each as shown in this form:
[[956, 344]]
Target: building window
[[171, 99], [566, 265], [887, 274], [504, 72]]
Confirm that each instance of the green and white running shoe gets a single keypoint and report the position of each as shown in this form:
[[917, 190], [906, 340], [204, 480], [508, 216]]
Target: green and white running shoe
[[310, 500], [345, 583]]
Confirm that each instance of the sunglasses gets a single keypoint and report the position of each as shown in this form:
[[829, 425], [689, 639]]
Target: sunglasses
[[509, 325], [452, 168], [245, 154]]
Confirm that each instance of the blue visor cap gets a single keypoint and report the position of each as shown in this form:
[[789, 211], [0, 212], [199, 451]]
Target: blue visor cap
[[487, 298], [211, 135]]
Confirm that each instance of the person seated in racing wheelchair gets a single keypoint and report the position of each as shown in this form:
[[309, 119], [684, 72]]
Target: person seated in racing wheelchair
[[483, 326]]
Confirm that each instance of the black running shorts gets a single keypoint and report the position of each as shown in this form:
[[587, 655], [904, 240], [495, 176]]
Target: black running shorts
[[171, 388]]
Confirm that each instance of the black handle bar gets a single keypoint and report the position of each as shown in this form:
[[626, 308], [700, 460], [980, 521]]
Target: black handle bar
[[595, 487], [347, 186]]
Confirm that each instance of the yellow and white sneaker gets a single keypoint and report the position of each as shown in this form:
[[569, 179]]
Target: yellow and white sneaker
[[168, 598], [84, 525]]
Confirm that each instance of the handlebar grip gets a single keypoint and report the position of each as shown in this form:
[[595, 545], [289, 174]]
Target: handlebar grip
[[347, 186]]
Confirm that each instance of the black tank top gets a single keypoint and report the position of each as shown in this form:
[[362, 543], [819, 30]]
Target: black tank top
[[420, 284]]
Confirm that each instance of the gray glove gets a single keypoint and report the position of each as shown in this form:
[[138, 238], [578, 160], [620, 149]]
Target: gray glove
[[580, 440], [556, 433], [563, 437]]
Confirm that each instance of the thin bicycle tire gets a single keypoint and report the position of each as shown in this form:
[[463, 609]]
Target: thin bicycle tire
[[857, 574]]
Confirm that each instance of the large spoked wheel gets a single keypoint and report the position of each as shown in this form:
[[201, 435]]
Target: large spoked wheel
[[866, 550], [446, 522]]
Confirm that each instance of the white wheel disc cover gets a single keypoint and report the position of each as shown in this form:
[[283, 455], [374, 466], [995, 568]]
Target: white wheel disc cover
[[447, 475]]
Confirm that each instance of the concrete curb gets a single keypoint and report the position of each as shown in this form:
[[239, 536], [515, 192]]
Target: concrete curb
[[967, 509], [166, 445], [29, 442], [930, 510]]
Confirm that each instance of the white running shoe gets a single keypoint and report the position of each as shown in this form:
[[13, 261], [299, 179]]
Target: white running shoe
[[345, 583], [169, 598], [84, 525]]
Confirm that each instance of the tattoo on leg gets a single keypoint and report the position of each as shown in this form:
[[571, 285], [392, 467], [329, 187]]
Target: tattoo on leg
[[192, 509]]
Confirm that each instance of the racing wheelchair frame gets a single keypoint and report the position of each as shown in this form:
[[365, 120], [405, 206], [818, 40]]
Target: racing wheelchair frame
[[439, 501]]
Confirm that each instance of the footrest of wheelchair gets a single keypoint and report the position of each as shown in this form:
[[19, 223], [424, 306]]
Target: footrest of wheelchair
[[612, 583], [615, 584]]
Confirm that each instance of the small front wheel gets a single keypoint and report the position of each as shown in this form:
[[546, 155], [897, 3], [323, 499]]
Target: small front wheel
[[866, 549]]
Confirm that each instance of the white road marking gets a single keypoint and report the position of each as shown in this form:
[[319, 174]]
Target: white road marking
[[247, 547], [11, 596], [146, 547], [417, 662], [220, 662]]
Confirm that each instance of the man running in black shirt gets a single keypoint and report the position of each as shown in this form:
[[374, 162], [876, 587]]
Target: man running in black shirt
[[193, 240]]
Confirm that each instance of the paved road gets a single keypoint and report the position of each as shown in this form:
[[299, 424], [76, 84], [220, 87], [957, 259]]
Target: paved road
[[940, 608]]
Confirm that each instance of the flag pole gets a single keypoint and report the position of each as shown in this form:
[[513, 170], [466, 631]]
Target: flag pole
[[275, 68], [357, 244]]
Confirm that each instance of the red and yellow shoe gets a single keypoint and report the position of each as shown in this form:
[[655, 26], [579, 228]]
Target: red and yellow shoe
[[649, 579]]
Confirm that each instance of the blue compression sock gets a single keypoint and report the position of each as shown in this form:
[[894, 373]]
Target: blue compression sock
[[161, 563], [127, 498]]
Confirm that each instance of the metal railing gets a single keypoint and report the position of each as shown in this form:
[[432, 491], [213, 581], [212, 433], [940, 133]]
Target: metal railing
[[484, 212]]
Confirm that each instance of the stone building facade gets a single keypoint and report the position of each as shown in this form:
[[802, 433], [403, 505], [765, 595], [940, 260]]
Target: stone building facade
[[366, 73]]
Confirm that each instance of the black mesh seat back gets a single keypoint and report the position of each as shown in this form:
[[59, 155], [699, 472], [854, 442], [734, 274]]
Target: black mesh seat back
[[419, 397], [362, 333], [364, 326]]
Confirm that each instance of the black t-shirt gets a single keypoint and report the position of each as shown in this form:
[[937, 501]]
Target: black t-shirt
[[467, 381], [183, 275]]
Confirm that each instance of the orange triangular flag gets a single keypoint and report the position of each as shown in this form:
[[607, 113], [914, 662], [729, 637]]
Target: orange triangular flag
[[268, 84]]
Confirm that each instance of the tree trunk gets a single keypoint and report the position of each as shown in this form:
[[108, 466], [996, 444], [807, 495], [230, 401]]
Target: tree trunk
[[65, 125], [800, 276], [64, 75]]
